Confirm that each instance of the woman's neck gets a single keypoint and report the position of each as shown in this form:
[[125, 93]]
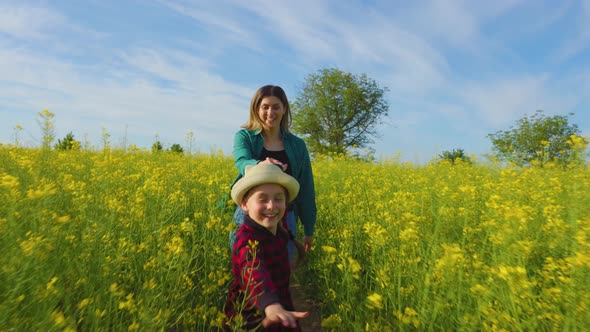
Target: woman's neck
[[272, 135], [273, 140]]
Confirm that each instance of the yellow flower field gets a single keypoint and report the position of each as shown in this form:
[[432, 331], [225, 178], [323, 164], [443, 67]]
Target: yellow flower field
[[122, 241]]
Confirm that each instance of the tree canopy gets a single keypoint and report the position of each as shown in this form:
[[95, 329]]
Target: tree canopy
[[454, 156], [336, 111], [540, 139], [67, 143]]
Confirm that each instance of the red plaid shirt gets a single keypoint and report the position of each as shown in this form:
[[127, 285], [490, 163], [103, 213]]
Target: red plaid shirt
[[261, 272]]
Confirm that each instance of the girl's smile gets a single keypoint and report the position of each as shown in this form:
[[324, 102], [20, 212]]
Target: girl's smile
[[266, 204]]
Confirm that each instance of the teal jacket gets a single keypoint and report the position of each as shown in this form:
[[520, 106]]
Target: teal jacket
[[247, 147]]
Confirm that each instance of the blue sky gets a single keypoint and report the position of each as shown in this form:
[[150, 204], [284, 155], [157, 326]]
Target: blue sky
[[456, 70]]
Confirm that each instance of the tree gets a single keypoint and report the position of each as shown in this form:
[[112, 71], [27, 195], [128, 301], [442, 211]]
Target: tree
[[157, 147], [539, 139], [336, 111], [454, 156], [68, 143], [176, 148]]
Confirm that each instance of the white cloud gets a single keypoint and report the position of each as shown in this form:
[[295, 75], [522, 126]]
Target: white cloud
[[23, 21], [169, 64], [500, 102], [314, 34], [578, 42], [219, 20], [308, 27], [205, 101], [448, 21]]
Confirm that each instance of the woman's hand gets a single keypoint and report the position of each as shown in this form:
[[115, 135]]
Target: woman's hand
[[275, 162], [308, 242], [275, 313]]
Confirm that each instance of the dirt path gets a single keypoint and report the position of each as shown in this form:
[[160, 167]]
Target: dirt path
[[301, 302]]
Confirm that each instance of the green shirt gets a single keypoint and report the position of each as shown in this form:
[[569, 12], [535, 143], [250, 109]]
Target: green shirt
[[247, 147]]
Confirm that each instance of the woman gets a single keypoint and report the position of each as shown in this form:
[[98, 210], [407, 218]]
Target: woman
[[265, 138]]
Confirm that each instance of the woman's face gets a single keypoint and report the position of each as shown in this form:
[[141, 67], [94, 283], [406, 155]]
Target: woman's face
[[271, 112]]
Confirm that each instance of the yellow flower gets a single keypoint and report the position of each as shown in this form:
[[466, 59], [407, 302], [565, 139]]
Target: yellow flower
[[253, 244], [63, 219], [479, 290], [48, 114], [332, 322], [114, 288], [84, 303], [44, 190], [150, 284], [350, 265], [175, 246], [29, 245], [409, 316], [329, 249], [128, 304], [51, 284], [9, 181], [213, 221], [58, 318], [375, 301]]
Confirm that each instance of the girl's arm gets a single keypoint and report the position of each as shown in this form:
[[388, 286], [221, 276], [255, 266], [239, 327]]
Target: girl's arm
[[275, 313], [256, 279]]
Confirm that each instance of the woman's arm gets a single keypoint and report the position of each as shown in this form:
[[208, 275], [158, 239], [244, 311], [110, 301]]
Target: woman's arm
[[243, 151], [306, 204]]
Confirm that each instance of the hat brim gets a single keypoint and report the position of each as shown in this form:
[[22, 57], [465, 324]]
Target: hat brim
[[263, 174]]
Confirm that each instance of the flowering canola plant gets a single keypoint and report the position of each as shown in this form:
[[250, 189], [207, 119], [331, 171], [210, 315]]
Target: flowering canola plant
[[114, 240], [443, 247]]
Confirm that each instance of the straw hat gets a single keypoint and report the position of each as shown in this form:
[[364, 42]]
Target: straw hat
[[263, 173]]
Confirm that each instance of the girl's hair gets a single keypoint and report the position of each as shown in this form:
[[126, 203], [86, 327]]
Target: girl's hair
[[254, 121], [298, 245]]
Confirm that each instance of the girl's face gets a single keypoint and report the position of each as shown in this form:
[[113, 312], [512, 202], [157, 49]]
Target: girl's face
[[266, 204], [271, 112]]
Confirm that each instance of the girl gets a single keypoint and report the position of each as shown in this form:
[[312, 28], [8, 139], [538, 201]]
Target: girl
[[259, 295]]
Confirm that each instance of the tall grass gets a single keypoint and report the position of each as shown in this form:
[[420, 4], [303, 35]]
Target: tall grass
[[113, 241]]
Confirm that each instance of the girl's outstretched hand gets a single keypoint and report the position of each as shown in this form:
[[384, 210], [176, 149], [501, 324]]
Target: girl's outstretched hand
[[275, 313]]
